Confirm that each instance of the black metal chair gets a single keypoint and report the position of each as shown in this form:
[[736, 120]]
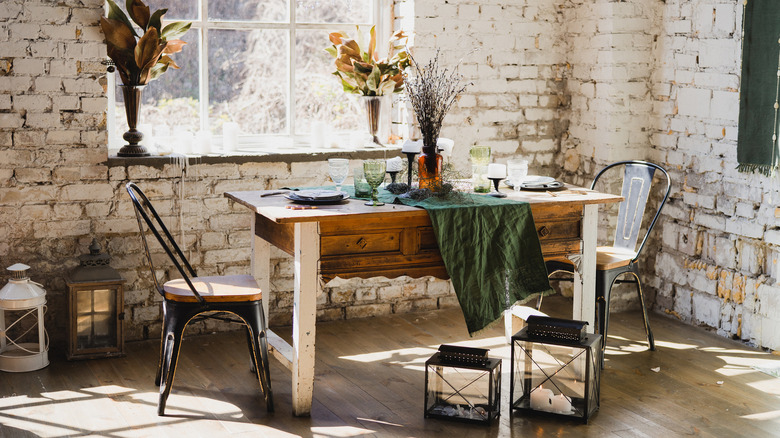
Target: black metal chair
[[623, 256], [192, 297]]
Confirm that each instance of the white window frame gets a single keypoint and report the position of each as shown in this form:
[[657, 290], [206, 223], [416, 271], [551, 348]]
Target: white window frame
[[381, 12]]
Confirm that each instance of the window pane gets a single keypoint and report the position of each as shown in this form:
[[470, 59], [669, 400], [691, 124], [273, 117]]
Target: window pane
[[318, 94], [248, 80], [170, 101], [248, 10], [177, 9], [333, 11]]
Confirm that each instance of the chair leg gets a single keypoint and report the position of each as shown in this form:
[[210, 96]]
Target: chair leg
[[604, 282], [645, 319], [173, 339], [252, 367], [259, 354]]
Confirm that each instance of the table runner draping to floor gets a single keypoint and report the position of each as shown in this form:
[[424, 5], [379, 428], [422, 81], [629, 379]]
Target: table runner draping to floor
[[490, 249]]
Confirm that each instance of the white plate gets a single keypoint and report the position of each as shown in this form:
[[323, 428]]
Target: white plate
[[533, 180], [318, 195]]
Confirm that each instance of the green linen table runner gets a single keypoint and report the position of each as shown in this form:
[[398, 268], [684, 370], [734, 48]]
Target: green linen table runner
[[490, 249]]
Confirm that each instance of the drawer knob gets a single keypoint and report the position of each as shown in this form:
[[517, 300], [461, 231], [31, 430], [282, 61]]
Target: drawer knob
[[544, 231]]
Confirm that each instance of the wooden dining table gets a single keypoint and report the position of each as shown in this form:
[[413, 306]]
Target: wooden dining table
[[350, 239]]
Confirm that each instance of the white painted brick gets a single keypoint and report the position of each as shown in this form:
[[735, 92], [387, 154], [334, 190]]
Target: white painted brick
[[11, 120], [719, 53], [706, 309], [725, 105], [694, 102], [48, 84], [725, 19], [32, 102]]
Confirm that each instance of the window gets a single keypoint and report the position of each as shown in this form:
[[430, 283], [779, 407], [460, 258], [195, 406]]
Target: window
[[258, 63]]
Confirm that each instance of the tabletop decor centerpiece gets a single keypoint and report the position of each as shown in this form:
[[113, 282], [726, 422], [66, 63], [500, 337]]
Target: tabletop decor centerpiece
[[139, 59], [432, 91], [362, 72]]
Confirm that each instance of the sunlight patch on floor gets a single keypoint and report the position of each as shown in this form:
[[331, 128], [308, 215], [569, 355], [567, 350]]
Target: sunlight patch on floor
[[675, 345], [764, 416], [108, 390], [64, 395], [340, 431]]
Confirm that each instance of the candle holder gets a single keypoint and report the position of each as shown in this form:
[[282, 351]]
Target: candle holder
[[410, 159], [393, 185], [497, 193], [552, 376]]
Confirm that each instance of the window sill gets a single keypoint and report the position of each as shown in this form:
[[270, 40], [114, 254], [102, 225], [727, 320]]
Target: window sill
[[291, 155]]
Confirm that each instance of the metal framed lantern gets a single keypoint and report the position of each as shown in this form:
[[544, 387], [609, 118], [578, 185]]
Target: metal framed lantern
[[24, 343], [96, 308], [555, 376], [462, 384]]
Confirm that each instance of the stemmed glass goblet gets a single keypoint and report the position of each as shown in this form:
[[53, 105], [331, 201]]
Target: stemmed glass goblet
[[338, 169], [374, 171]]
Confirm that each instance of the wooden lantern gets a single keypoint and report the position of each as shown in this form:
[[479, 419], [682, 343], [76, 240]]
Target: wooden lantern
[[96, 308]]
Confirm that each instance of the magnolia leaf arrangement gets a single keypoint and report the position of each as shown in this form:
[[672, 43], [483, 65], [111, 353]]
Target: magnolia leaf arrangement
[[141, 58], [361, 71]]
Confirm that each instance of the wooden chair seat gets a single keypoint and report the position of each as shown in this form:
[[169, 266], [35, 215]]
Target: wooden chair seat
[[214, 289], [610, 257], [607, 257]]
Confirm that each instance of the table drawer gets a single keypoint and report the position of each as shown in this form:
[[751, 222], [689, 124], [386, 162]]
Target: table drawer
[[361, 243]]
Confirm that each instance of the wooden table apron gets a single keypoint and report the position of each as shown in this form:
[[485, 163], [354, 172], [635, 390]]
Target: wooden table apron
[[353, 240]]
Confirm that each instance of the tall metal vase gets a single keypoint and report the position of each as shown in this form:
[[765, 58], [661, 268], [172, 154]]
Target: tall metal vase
[[132, 96], [373, 105]]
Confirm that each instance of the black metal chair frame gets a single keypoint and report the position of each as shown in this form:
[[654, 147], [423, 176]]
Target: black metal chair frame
[[177, 314], [637, 182]]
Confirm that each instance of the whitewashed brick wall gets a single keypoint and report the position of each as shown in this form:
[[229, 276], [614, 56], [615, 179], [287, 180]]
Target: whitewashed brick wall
[[570, 84], [513, 54], [717, 263]]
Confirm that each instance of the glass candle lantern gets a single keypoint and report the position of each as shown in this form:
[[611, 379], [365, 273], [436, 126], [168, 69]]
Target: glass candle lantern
[[461, 391], [557, 377], [96, 308], [24, 343]]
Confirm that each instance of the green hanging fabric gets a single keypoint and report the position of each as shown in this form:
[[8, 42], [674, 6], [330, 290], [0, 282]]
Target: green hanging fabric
[[757, 141]]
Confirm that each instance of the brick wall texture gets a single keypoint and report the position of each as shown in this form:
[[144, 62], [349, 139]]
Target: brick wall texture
[[569, 84]]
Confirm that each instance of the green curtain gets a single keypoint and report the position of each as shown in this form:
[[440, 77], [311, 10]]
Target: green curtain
[[756, 149]]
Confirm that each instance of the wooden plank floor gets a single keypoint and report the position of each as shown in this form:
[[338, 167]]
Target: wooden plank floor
[[369, 382]]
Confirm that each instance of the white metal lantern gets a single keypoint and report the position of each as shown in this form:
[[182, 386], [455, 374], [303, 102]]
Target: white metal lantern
[[24, 301]]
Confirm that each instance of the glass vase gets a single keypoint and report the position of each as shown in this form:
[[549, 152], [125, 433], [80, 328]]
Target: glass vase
[[429, 166]]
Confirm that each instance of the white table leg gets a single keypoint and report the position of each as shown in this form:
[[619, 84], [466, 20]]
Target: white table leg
[[307, 255], [585, 275], [261, 267]]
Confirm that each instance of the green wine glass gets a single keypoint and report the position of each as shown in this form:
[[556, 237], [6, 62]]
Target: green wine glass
[[374, 171]]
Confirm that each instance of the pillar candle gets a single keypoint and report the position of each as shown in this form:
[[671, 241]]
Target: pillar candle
[[496, 170]]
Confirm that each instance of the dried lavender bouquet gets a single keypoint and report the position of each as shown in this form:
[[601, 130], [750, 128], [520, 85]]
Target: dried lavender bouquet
[[432, 91]]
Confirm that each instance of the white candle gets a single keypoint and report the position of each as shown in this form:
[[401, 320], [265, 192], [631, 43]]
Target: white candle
[[230, 136], [318, 134], [203, 142], [446, 145], [541, 399], [412, 147], [561, 404], [395, 164], [496, 170]]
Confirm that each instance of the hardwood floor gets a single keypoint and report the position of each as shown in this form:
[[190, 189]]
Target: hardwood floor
[[369, 382]]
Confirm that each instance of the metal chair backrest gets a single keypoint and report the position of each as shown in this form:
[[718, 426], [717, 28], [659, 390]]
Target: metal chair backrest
[[144, 210], [637, 182]]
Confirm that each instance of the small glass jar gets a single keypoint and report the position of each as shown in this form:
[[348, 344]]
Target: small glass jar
[[362, 189], [480, 158]]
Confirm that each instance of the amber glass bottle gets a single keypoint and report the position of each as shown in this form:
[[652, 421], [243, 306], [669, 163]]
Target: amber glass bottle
[[429, 169]]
